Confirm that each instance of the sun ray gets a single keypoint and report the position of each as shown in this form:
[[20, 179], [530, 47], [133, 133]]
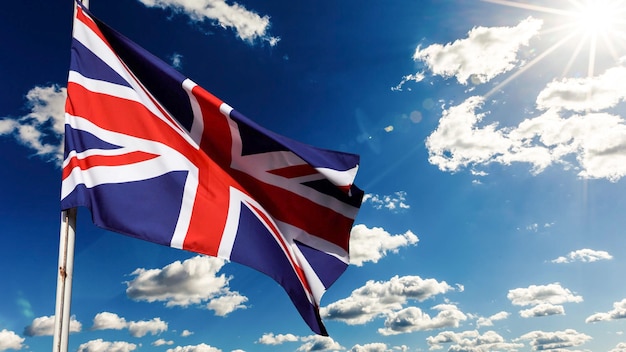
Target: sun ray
[[594, 24], [530, 64]]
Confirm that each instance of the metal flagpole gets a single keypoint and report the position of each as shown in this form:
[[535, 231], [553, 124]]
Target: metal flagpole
[[65, 274], [64, 281]]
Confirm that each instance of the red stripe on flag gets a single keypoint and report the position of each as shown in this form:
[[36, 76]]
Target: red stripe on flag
[[106, 160]]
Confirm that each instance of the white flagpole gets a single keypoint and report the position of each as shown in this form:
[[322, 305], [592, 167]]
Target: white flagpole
[[65, 274], [64, 281]]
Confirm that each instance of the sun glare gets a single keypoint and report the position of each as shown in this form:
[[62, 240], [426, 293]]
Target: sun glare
[[597, 17], [599, 25]]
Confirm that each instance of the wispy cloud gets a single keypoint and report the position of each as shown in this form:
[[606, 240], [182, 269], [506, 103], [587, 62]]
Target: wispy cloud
[[584, 255], [248, 25], [618, 312], [395, 202], [42, 128], [482, 321], [486, 52], [192, 282]]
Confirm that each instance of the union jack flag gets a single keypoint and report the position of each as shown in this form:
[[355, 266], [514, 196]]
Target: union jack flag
[[155, 156]]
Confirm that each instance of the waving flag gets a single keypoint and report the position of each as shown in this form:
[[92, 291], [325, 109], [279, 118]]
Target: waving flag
[[156, 157]]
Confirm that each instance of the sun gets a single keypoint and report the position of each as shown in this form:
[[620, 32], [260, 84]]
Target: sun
[[599, 25], [597, 17]]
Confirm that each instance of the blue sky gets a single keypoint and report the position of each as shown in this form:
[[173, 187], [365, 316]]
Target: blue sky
[[492, 137]]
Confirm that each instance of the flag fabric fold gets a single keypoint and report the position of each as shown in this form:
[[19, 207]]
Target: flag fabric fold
[[157, 157]]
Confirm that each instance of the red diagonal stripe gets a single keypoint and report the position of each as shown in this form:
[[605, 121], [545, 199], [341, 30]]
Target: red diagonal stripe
[[106, 160]]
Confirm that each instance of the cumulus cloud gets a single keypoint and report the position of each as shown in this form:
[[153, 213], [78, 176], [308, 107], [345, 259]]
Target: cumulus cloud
[[44, 326], [42, 128], [186, 333], [483, 55], [621, 347], [585, 94], [583, 255], [545, 299], [319, 343], [395, 202], [595, 139], [471, 341], [371, 245], [414, 319], [194, 348], [542, 310], [370, 347], [618, 312], [311, 342], [542, 341], [271, 339], [162, 342], [382, 298], [143, 327], [248, 25], [10, 340], [192, 282], [482, 321], [107, 320], [100, 345]]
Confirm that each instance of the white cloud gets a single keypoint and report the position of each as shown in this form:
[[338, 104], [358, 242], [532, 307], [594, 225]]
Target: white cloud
[[44, 326], [107, 320], [311, 342], [415, 77], [621, 347], [370, 347], [596, 140], [618, 312], [395, 202], [248, 25], [162, 342], [541, 341], [484, 54], [370, 245], [585, 94], [583, 255], [414, 319], [100, 345], [319, 343], [42, 128], [382, 298], [144, 327], [271, 339], [482, 321], [542, 310], [542, 294], [186, 333], [10, 340], [193, 281], [195, 348], [471, 341]]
